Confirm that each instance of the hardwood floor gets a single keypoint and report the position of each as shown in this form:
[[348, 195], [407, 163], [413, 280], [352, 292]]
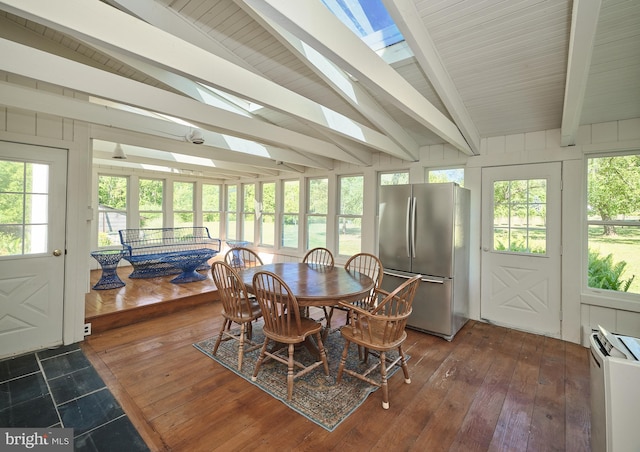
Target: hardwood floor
[[490, 389], [142, 299]]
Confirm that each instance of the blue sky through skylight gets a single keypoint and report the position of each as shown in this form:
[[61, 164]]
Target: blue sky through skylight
[[368, 19]]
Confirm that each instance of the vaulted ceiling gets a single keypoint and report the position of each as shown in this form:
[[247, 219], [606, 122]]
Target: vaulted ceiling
[[280, 86]]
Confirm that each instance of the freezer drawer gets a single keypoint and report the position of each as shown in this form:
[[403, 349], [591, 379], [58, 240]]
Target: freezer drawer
[[433, 307]]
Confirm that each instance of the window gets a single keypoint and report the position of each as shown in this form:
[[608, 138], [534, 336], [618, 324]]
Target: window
[[613, 222], [519, 216], [112, 209], [317, 210], [151, 195], [436, 176], [232, 212], [351, 190], [291, 213], [183, 206], [396, 178], [211, 208], [24, 208], [268, 214], [248, 212], [369, 20]]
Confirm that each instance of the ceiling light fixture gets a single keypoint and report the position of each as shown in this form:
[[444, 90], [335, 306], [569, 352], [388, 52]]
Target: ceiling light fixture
[[195, 137], [118, 153]]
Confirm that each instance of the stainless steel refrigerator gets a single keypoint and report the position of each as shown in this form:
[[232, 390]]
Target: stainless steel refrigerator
[[424, 229]]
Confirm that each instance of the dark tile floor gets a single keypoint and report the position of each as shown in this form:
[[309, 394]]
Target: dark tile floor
[[60, 388]]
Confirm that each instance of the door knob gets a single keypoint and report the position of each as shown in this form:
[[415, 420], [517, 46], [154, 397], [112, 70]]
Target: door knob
[[485, 249], [57, 253]]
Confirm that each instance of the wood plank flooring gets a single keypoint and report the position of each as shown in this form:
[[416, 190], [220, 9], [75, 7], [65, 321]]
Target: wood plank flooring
[[142, 299], [490, 389]]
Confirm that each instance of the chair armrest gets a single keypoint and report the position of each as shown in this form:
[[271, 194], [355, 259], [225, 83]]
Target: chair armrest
[[352, 307], [379, 291]]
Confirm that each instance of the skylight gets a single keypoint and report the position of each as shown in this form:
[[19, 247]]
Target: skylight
[[369, 20]]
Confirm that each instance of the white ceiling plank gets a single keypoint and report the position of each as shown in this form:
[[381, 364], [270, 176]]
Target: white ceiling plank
[[313, 23], [408, 20], [351, 91], [168, 20], [584, 21], [39, 65], [100, 23]]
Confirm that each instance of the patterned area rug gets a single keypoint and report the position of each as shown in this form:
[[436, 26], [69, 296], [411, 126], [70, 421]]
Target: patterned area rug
[[315, 396]]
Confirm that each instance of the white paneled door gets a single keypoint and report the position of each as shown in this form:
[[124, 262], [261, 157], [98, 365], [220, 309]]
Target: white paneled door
[[521, 247], [32, 244]]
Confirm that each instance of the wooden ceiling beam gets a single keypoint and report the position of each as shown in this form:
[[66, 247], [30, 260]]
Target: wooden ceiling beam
[[314, 24], [99, 23], [407, 19], [584, 22]]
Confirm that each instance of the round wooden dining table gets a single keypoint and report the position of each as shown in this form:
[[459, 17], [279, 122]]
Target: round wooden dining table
[[314, 284]]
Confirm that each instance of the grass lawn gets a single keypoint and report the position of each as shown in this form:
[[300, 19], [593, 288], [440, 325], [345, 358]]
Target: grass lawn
[[624, 246]]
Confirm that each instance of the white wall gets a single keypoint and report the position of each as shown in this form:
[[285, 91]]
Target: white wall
[[22, 126], [582, 309]]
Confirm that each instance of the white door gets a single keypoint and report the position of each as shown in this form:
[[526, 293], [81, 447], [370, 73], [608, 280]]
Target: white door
[[32, 221], [521, 247]]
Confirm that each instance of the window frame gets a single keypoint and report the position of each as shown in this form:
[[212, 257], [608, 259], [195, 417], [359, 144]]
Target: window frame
[[212, 212], [386, 173], [340, 214], [163, 209], [175, 211], [229, 233], [309, 214], [429, 170], [124, 212], [262, 214], [286, 213], [248, 209], [607, 298]]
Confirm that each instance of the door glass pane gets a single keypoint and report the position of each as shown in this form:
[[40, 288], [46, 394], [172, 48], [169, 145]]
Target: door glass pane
[[519, 216], [24, 208]]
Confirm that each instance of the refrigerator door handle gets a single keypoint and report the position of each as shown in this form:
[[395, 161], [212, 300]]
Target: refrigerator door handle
[[398, 275], [408, 230], [413, 227], [405, 276]]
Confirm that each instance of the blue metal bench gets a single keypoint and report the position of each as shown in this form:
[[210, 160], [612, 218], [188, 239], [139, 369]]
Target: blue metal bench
[[164, 251]]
